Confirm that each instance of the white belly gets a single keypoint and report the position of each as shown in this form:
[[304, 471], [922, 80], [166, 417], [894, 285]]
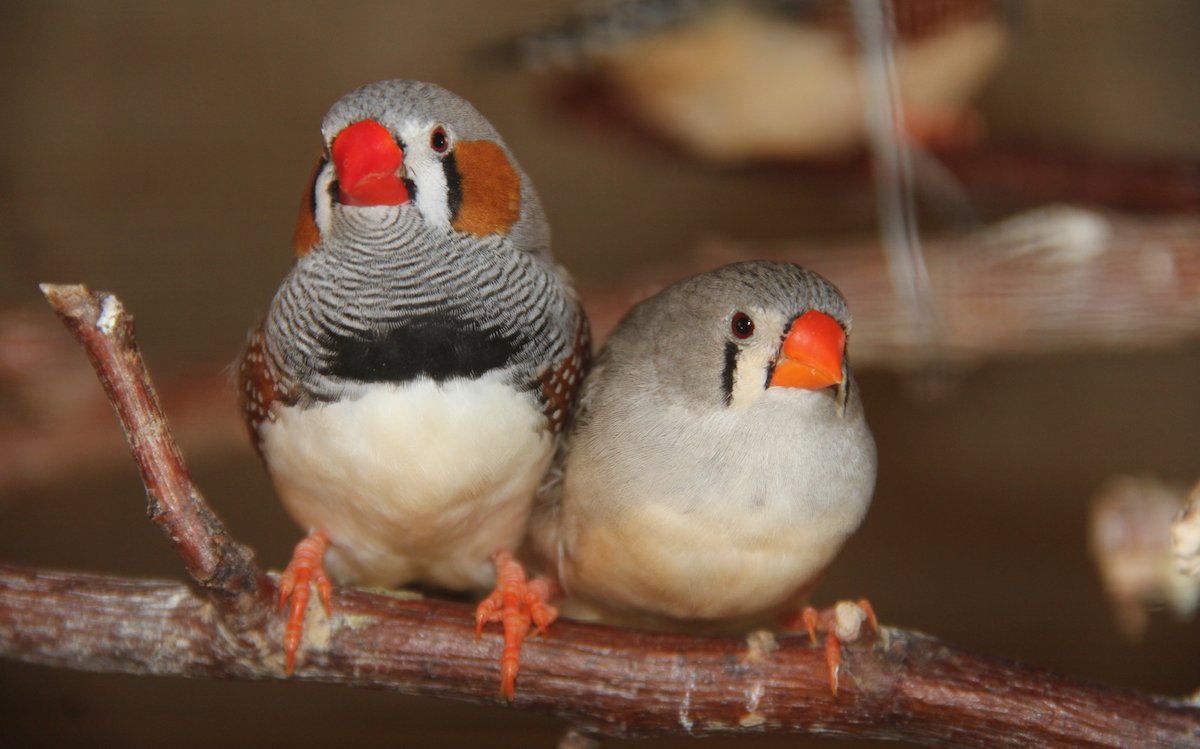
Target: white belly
[[699, 566], [418, 482], [721, 518]]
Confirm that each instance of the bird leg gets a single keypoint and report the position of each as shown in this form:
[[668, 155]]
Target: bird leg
[[307, 566], [517, 603], [841, 623]]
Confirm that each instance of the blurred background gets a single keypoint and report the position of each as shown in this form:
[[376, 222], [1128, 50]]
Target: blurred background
[[159, 151]]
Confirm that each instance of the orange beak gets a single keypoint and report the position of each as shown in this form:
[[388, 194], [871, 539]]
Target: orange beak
[[811, 357], [369, 165]]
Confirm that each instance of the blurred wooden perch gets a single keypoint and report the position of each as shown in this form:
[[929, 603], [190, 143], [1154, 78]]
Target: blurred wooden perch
[[607, 681], [1053, 279], [55, 423]]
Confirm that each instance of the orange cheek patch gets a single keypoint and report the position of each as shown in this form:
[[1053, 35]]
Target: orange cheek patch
[[491, 189], [306, 234]]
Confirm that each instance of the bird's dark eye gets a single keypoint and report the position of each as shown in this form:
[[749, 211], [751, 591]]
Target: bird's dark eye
[[439, 141], [742, 325]]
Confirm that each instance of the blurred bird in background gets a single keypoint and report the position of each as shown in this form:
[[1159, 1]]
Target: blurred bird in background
[[1132, 524], [732, 81]]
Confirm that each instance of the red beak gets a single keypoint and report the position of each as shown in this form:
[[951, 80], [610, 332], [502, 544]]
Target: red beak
[[811, 356], [369, 166]]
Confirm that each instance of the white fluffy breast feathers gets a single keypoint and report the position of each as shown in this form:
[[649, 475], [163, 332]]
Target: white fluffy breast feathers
[[425, 465]]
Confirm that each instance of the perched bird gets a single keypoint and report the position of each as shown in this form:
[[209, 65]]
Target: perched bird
[[409, 384], [1135, 528], [718, 458], [745, 80]]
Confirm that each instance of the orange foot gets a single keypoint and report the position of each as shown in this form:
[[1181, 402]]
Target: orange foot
[[518, 604], [307, 566], [840, 624]]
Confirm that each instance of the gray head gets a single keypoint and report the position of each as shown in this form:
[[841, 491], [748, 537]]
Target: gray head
[[396, 103], [408, 142], [726, 336]]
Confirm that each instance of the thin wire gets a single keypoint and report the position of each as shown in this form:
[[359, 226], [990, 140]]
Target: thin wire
[[892, 159]]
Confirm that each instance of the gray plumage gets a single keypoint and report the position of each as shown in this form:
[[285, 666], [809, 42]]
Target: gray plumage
[[380, 269], [677, 503], [674, 340], [409, 384], [375, 275], [394, 102]]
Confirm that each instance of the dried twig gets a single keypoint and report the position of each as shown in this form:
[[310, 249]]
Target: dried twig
[[608, 681], [223, 567]]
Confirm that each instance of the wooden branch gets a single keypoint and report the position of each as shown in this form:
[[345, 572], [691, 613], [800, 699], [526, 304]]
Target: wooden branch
[[607, 681], [213, 559], [1040, 173], [1055, 279]]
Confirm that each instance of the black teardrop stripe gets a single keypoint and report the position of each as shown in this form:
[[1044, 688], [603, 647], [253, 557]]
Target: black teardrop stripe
[[435, 346], [731, 356], [453, 185]]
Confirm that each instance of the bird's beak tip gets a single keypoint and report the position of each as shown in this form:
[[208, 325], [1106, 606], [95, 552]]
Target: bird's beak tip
[[368, 163], [812, 354]]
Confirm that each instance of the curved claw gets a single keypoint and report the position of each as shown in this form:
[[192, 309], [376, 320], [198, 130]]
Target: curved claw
[[830, 620], [519, 605], [305, 569]]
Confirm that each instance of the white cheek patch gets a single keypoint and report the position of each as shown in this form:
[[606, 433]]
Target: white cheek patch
[[750, 377], [322, 199], [754, 362], [425, 170]]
